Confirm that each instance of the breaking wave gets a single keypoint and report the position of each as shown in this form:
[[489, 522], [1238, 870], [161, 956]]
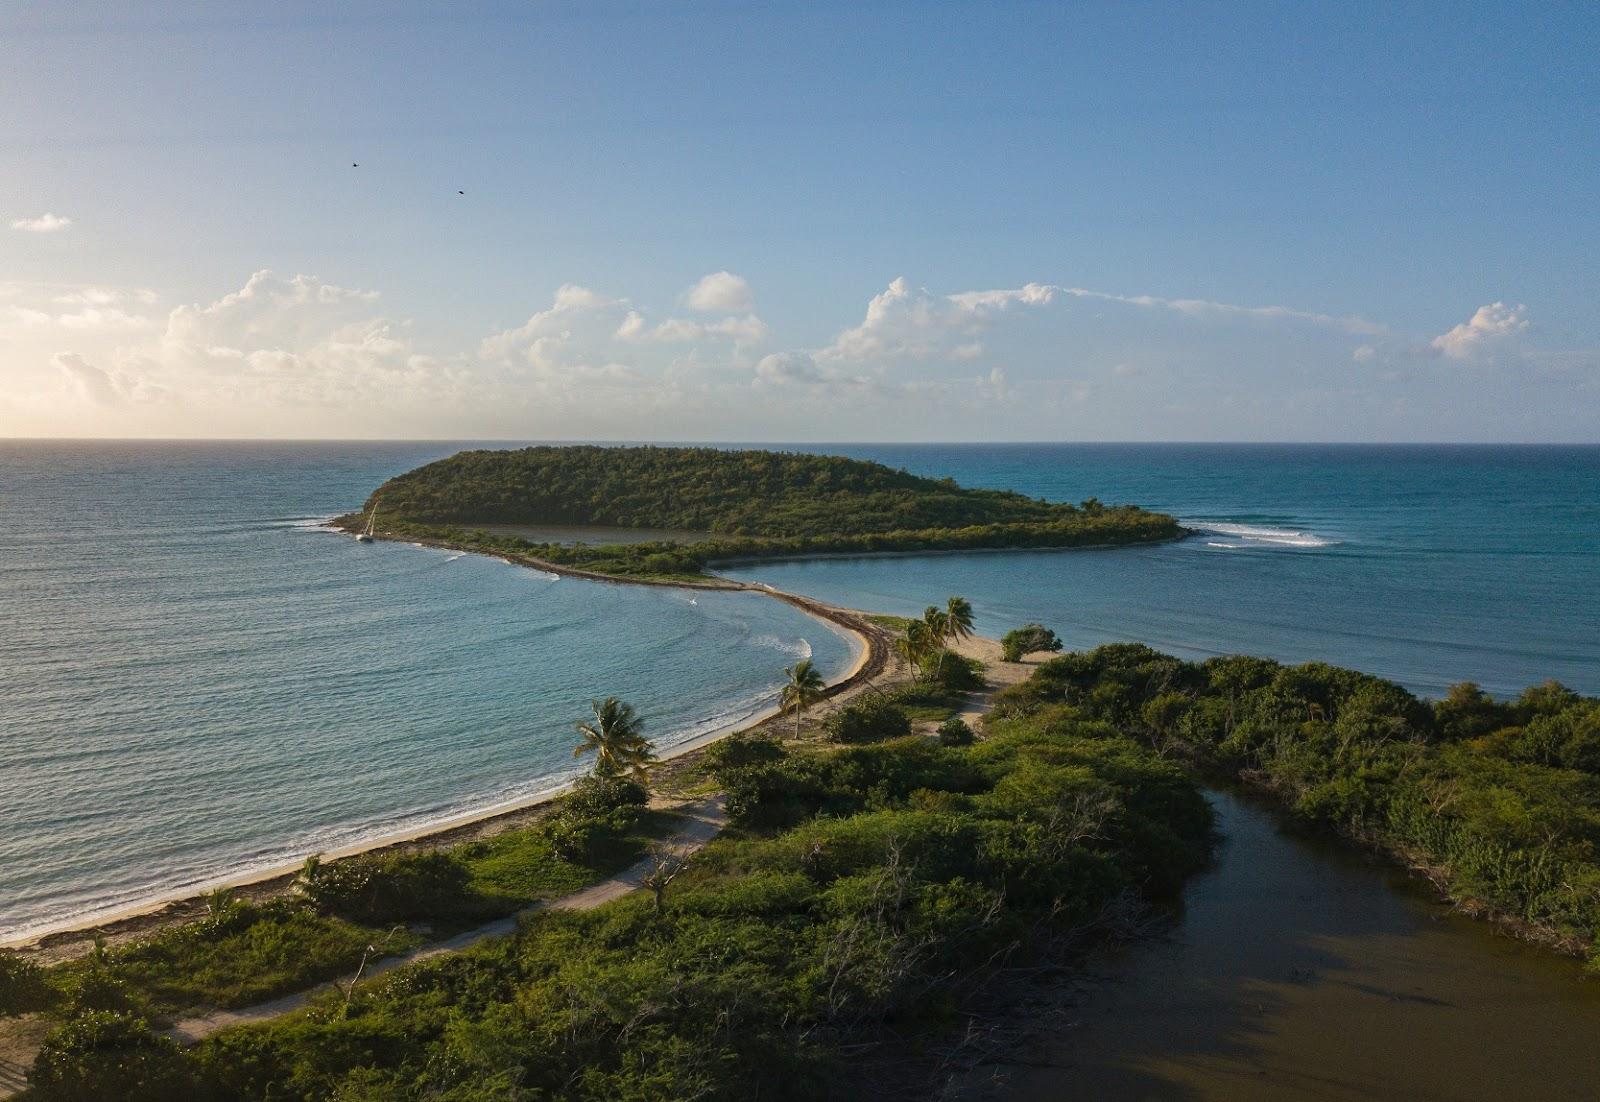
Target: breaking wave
[[1259, 535]]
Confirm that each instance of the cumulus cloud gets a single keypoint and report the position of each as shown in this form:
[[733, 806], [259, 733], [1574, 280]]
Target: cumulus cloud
[[748, 329], [300, 355], [721, 293], [1489, 327], [572, 340], [44, 223], [913, 323]]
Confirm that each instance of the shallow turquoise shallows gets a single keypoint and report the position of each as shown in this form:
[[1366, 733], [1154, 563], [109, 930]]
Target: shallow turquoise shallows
[[195, 680]]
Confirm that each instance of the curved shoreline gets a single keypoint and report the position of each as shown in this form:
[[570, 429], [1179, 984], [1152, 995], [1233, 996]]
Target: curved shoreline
[[872, 652]]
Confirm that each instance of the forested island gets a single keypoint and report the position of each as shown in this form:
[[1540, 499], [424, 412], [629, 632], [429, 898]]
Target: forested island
[[741, 503]]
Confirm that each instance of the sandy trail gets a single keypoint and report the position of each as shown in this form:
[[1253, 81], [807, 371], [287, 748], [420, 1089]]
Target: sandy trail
[[703, 820]]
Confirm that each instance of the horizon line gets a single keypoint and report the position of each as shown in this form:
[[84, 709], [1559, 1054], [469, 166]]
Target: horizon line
[[685, 442]]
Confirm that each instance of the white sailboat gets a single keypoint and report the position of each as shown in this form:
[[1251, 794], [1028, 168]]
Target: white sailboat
[[365, 536]]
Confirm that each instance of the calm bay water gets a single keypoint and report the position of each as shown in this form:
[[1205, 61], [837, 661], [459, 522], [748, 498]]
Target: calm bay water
[[195, 680], [1425, 564]]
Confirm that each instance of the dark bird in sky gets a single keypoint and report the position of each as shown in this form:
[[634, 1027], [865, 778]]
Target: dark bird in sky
[[354, 165], [460, 193]]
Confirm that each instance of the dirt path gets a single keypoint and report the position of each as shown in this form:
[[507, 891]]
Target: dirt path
[[705, 818], [998, 673]]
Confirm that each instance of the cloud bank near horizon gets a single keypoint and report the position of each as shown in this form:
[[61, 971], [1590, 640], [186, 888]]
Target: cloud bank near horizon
[[301, 356]]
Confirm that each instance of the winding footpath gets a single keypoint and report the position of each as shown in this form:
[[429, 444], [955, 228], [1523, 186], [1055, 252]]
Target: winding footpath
[[706, 819]]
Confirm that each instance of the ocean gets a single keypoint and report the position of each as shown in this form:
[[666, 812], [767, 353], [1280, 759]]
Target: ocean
[[1428, 565], [197, 679]]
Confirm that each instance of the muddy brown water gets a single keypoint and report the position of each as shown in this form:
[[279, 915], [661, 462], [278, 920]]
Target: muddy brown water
[[1298, 970]]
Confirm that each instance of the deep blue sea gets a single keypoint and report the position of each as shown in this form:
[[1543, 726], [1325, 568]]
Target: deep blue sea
[[197, 680]]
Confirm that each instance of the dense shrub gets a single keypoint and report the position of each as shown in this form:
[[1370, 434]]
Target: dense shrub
[[1027, 639], [23, 989], [392, 888], [740, 751], [594, 797], [101, 1055], [869, 718], [955, 732], [952, 673], [1504, 797]]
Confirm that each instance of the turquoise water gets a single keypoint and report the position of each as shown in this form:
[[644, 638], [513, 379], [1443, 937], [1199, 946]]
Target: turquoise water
[[195, 680], [1425, 564]]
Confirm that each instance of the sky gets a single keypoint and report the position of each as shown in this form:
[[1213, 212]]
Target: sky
[[801, 222]]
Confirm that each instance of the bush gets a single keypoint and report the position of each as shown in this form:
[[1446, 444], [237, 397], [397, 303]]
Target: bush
[[93, 986], [594, 797], [952, 673], [399, 888], [22, 986], [872, 718], [740, 751], [955, 732], [1027, 639], [104, 1055]]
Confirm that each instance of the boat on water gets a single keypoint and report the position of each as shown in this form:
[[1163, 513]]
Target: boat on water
[[365, 535]]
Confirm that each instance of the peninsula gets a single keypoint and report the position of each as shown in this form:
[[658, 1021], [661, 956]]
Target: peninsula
[[665, 513]]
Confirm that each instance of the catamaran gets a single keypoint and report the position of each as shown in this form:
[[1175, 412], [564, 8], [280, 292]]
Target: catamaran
[[365, 536]]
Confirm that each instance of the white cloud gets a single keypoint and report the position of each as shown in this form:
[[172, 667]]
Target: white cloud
[[44, 223], [1202, 308], [745, 330], [903, 322], [633, 327], [1488, 327], [92, 384], [787, 368], [300, 356], [721, 293]]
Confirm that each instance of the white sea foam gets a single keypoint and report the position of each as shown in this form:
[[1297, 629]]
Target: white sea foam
[[798, 649], [305, 524], [1261, 535]]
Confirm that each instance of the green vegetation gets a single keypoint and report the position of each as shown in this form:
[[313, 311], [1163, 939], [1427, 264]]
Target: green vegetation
[[754, 503], [616, 739], [1500, 800], [1028, 639], [803, 686], [955, 732], [242, 953], [774, 967], [869, 718]]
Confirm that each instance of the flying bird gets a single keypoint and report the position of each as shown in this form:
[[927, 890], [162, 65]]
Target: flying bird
[[354, 165], [460, 193]]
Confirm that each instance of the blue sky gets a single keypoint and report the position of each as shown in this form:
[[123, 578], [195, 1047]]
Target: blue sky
[[1238, 221]]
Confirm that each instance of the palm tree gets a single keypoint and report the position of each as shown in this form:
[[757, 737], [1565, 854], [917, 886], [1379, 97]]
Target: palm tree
[[958, 618], [938, 623], [917, 643], [803, 689], [616, 738]]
